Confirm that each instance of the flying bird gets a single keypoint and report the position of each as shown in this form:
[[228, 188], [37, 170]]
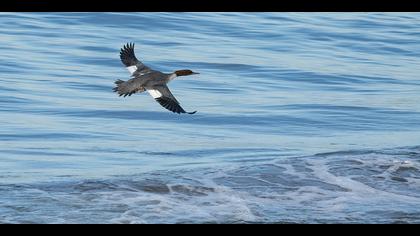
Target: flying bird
[[145, 79]]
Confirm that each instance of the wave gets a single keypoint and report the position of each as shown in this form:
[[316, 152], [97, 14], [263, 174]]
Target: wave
[[357, 186]]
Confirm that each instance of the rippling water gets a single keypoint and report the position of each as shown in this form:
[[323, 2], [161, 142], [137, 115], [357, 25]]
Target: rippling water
[[302, 117]]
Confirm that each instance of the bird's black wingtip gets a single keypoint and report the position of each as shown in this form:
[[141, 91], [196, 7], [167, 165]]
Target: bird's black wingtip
[[191, 112], [129, 45], [127, 55]]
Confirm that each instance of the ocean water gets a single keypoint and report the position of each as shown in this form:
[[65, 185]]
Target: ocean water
[[302, 118]]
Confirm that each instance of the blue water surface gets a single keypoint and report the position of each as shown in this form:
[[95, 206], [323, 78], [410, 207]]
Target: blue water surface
[[302, 118]]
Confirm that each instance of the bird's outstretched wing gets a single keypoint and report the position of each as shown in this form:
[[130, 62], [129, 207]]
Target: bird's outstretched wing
[[133, 65], [164, 97]]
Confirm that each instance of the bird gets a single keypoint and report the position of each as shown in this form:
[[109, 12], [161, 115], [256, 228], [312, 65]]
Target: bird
[[144, 78]]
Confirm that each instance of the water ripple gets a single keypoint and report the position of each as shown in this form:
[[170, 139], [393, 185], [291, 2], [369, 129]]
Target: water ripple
[[274, 89]]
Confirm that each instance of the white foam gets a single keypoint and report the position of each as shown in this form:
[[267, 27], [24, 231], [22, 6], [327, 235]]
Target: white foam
[[304, 189], [222, 205]]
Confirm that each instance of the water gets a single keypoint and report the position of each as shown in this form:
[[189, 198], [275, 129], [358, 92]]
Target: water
[[302, 118]]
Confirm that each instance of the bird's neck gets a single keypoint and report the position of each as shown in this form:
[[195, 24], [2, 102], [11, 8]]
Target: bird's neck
[[172, 76]]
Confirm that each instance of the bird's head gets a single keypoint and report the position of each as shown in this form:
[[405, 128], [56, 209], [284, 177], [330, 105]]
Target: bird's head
[[185, 72]]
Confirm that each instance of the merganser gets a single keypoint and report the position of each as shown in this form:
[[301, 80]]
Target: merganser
[[146, 79]]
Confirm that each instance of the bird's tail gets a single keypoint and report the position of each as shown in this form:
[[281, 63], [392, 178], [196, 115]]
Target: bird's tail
[[118, 83], [126, 88]]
